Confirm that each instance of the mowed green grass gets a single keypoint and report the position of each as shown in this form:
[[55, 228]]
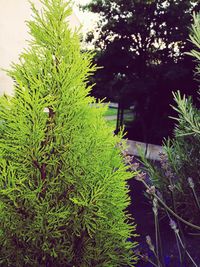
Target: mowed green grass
[[128, 116], [113, 112]]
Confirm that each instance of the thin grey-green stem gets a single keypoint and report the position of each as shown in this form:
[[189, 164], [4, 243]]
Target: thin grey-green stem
[[174, 205], [152, 248], [196, 198], [160, 245], [179, 251], [192, 186], [156, 235], [177, 243], [190, 257], [171, 211], [157, 258], [150, 261], [179, 226], [155, 213], [194, 234]]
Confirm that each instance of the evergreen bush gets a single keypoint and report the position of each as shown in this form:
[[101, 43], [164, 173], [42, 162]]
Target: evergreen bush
[[63, 190]]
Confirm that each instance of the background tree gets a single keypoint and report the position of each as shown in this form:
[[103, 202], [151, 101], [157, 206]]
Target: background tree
[[140, 45], [63, 190]]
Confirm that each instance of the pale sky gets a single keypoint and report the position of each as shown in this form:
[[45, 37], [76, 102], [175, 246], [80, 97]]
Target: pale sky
[[13, 33], [87, 19]]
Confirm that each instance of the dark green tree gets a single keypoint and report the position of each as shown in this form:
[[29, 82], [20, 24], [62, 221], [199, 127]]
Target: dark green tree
[[63, 191], [140, 45]]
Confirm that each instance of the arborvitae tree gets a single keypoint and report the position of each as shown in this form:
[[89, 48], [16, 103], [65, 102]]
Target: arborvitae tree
[[63, 190]]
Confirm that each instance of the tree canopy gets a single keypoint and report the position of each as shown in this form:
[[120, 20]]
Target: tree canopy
[[141, 46]]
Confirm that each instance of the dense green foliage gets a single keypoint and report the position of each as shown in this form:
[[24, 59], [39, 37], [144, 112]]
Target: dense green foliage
[[63, 191], [178, 179], [141, 47]]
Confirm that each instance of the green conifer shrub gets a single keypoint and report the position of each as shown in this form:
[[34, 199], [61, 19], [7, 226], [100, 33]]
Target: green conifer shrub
[[63, 190]]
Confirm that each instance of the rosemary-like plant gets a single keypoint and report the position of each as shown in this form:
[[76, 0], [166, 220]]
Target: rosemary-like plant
[[178, 176]]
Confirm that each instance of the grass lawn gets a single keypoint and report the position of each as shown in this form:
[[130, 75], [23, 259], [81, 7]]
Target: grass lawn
[[113, 111], [128, 118]]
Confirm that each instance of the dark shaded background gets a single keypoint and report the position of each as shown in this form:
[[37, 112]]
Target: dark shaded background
[[141, 46]]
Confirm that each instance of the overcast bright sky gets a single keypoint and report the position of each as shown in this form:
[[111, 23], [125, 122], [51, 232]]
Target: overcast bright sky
[[86, 18]]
